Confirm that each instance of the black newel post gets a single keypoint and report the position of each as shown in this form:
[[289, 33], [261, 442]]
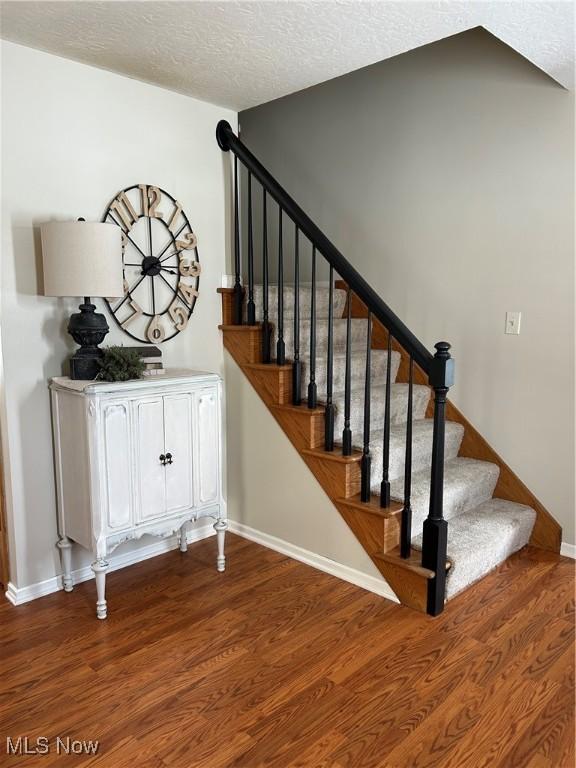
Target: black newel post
[[435, 533], [223, 133]]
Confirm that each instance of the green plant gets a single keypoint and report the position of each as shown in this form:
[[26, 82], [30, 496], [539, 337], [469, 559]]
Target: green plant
[[120, 364]]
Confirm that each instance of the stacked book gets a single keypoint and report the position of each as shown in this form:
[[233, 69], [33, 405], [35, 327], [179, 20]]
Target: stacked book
[[152, 358]]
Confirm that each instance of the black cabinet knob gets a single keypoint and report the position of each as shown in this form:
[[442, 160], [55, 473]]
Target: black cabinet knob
[[168, 458], [162, 458]]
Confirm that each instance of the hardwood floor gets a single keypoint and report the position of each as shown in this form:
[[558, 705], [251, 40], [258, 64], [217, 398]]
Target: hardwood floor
[[276, 664]]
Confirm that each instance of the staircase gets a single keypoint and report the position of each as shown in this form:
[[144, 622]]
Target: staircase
[[364, 402]]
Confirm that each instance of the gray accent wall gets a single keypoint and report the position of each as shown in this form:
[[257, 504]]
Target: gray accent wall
[[446, 176]]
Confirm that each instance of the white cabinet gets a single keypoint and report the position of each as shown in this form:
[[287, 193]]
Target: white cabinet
[[135, 458]]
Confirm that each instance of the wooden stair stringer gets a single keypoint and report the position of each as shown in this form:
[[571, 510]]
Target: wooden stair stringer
[[377, 530], [547, 532]]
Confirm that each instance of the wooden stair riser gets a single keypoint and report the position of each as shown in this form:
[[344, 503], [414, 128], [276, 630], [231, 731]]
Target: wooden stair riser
[[272, 382], [243, 342], [306, 427], [339, 480], [409, 587], [369, 530], [386, 521], [227, 305]]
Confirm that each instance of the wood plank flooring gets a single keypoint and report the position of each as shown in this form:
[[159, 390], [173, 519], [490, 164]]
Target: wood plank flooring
[[276, 664]]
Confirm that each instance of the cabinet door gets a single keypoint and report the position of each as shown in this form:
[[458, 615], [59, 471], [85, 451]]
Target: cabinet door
[[208, 430], [117, 480], [178, 442], [149, 470]]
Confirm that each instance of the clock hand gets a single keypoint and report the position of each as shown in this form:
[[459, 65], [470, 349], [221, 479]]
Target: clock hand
[[153, 297], [171, 271]]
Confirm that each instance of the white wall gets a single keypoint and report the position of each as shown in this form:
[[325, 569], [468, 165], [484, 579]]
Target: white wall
[[73, 136], [446, 176]]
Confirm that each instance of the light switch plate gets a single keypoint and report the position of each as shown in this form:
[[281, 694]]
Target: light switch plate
[[513, 322]]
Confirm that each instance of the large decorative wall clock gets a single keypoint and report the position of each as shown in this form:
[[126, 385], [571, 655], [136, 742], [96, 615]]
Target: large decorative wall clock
[[160, 263]]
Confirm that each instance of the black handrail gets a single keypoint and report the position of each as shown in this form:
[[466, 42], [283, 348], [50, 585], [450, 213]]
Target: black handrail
[[227, 140]]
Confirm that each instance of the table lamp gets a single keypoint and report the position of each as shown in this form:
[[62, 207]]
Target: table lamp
[[83, 258]]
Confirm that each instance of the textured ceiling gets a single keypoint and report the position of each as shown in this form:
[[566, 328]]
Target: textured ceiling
[[240, 54]]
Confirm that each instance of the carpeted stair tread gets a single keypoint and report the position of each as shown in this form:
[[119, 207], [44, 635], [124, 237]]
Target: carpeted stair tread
[[422, 431], [398, 408], [467, 484], [482, 538], [378, 363], [357, 337], [339, 302]]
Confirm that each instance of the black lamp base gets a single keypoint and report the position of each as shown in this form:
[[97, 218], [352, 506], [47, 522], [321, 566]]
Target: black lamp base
[[88, 328]]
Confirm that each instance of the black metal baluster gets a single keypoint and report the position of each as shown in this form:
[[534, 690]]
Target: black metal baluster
[[280, 346], [296, 364], [329, 410], [406, 517], [366, 459], [266, 329], [385, 485], [347, 433], [435, 531], [312, 390], [251, 307], [238, 294]]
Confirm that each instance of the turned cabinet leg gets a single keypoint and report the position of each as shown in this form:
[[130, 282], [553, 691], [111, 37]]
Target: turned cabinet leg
[[65, 547], [220, 528], [100, 567], [183, 540]]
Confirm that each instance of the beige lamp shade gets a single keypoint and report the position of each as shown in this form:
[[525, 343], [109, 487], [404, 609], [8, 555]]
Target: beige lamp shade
[[82, 258]]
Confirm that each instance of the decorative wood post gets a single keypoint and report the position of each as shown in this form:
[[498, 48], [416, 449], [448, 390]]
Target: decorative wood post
[[435, 533], [223, 133]]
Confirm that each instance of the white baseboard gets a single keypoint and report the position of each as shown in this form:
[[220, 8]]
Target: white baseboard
[[568, 550], [17, 596], [344, 572]]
